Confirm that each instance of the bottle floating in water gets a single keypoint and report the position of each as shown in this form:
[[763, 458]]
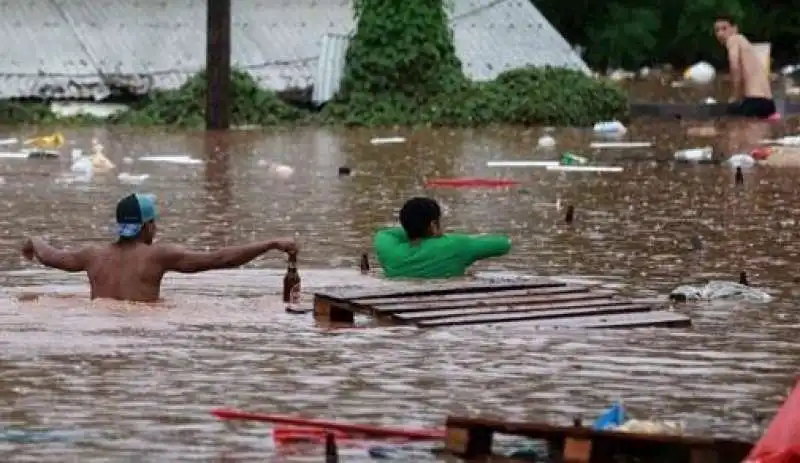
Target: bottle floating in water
[[291, 285], [609, 128], [569, 159], [364, 263], [705, 154]]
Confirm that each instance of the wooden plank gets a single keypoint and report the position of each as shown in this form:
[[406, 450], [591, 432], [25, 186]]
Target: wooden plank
[[567, 293], [551, 432], [516, 314], [620, 320], [635, 320], [576, 441], [438, 289], [542, 306], [382, 301]]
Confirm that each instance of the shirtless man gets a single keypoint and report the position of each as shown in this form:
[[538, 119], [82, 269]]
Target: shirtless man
[[751, 95], [131, 269]]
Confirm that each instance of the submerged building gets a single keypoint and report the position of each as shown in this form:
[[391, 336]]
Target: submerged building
[[84, 49]]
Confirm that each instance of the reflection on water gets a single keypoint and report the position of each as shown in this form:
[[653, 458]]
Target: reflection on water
[[138, 381]]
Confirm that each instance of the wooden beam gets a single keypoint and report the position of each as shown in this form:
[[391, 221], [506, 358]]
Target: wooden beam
[[218, 64]]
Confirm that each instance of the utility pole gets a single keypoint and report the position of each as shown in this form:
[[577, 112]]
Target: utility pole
[[218, 64]]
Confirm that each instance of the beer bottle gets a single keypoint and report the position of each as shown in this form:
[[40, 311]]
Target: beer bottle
[[291, 283], [364, 263]]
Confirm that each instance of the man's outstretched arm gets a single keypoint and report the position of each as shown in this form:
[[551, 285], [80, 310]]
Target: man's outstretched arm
[[179, 259], [69, 260]]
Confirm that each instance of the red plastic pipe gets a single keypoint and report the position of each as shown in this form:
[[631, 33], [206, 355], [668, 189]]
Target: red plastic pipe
[[364, 429]]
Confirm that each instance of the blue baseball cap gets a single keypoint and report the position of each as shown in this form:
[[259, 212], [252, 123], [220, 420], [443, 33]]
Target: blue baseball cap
[[133, 211]]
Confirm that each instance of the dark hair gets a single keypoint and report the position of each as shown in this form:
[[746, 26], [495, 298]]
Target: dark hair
[[727, 18], [417, 215]]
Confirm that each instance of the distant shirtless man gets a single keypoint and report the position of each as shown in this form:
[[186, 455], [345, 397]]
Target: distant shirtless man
[[131, 269], [751, 95]]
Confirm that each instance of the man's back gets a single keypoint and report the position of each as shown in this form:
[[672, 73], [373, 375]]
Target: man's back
[[125, 271], [754, 73], [442, 256]]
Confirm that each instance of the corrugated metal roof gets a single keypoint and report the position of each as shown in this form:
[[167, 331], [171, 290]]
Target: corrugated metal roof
[[64, 46], [330, 67]]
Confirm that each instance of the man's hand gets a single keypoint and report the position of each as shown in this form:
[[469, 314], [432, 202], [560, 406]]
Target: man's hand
[[28, 250], [286, 245]]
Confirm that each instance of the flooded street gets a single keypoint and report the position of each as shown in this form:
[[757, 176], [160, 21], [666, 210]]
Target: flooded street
[[126, 382]]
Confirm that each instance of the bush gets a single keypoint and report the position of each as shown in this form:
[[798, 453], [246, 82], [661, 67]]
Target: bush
[[401, 69], [185, 107]]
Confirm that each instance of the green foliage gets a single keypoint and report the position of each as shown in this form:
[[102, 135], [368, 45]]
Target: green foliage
[[402, 69], [632, 33], [185, 107]]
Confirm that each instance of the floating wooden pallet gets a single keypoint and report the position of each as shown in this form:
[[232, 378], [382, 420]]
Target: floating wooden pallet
[[547, 302], [471, 438]]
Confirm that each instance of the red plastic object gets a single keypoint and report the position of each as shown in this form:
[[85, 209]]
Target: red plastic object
[[781, 442], [293, 434], [762, 153], [348, 428], [467, 182], [283, 435], [776, 116]]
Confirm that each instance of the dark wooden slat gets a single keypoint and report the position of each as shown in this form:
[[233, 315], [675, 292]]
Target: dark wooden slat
[[530, 315], [551, 432], [625, 320], [534, 306], [438, 289], [538, 297], [382, 301]]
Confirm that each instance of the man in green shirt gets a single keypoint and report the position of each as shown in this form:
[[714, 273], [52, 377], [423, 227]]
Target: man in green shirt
[[421, 250]]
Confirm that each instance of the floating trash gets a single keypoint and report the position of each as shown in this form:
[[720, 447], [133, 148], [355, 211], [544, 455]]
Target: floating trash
[[14, 155], [620, 144], [279, 170], [569, 159], [31, 436], [546, 141], [8, 141], [521, 163], [173, 159], [744, 161], [705, 154], [610, 128], [387, 140], [132, 179], [720, 290], [700, 73], [53, 141], [792, 140], [586, 168]]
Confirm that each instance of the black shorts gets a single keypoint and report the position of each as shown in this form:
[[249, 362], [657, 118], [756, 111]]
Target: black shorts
[[752, 107]]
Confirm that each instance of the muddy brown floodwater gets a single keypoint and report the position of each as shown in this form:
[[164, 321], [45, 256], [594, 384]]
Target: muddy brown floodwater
[[136, 383]]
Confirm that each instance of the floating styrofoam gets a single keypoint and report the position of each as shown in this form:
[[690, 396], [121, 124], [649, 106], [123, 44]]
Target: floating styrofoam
[[586, 168], [620, 144], [521, 163], [8, 141], [388, 140], [176, 159], [17, 155], [792, 140]]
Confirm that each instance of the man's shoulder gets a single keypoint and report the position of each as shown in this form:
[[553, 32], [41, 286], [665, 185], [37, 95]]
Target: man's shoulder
[[737, 40]]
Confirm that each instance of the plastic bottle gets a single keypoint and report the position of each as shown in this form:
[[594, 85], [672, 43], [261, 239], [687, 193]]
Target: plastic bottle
[[569, 159], [705, 154], [610, 128], [744, 161]]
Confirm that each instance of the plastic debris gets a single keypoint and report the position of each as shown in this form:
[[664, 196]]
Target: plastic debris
[[720, 290]]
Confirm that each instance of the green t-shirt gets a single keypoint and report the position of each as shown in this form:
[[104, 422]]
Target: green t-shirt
[[441, 257]]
